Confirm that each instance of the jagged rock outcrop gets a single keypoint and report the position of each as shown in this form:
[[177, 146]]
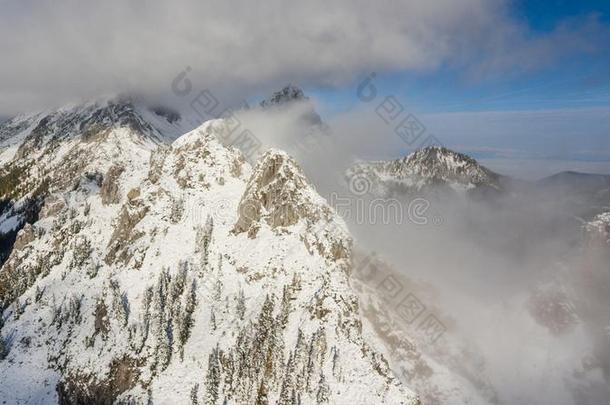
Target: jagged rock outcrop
[[278, 194], [110, 185]]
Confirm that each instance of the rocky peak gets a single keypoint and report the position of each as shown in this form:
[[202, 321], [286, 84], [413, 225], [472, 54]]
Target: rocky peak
[[423, 169], [278, 196], [276, 192], [288, 94], [442, 163]]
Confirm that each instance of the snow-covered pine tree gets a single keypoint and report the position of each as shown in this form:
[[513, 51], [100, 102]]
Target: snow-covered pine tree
[[120, 305], [37, 297], [177, 210], [299, 362], [74, 309], [212, 380], [186, 323], [195, 394], [178, 284], [323, 393], [203, 240], [241, 305], [316, 355], [212, 319], [3, 349], [335, 354], [162, 325], [146, 317], [286, 307], [286, 390], [217, 292]]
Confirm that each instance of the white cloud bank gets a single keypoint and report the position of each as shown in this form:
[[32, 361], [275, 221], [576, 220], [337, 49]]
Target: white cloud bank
[[56, 51]]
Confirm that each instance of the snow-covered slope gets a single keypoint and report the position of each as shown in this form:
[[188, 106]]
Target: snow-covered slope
[[426, 170], [159, 271], [598, 229], [421, 344]]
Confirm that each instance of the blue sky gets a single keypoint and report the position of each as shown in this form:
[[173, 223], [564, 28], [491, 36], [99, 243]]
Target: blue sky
[[561, 109], [569, 82]]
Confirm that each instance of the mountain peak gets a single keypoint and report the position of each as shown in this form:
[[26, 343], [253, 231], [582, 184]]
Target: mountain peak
[[273, 193], [433, 156], [424, 169], [290, 93]]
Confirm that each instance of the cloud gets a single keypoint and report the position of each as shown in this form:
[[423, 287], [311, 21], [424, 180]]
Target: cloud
[[55, 51]]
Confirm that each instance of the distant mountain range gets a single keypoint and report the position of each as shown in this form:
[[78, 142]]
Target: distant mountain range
[[441, 172]]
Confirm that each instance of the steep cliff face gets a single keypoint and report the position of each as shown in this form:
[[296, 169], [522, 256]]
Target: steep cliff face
[[175, 272]]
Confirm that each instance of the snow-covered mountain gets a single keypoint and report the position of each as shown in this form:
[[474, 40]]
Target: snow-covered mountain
[[424, 171], [140, 268]]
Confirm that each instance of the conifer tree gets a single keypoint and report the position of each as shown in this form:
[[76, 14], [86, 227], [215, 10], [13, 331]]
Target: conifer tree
[[204, 238], [186, 322], [212, 382], [286, 307], [323, 393], [212, 319], [241, 304], [3, 349], [195, 394]]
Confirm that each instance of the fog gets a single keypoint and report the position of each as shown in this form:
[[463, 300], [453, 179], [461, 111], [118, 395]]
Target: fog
[[513, 276]]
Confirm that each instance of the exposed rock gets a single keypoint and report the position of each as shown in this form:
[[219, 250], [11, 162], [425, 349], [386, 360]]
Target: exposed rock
[[124, 234], [157, 159], [133, 194], [80, 388], [110, 191], [24, 236], [52, 205], [277, 193]]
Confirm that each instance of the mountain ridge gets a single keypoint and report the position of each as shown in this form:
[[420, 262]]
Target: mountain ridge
[[134, 284]]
